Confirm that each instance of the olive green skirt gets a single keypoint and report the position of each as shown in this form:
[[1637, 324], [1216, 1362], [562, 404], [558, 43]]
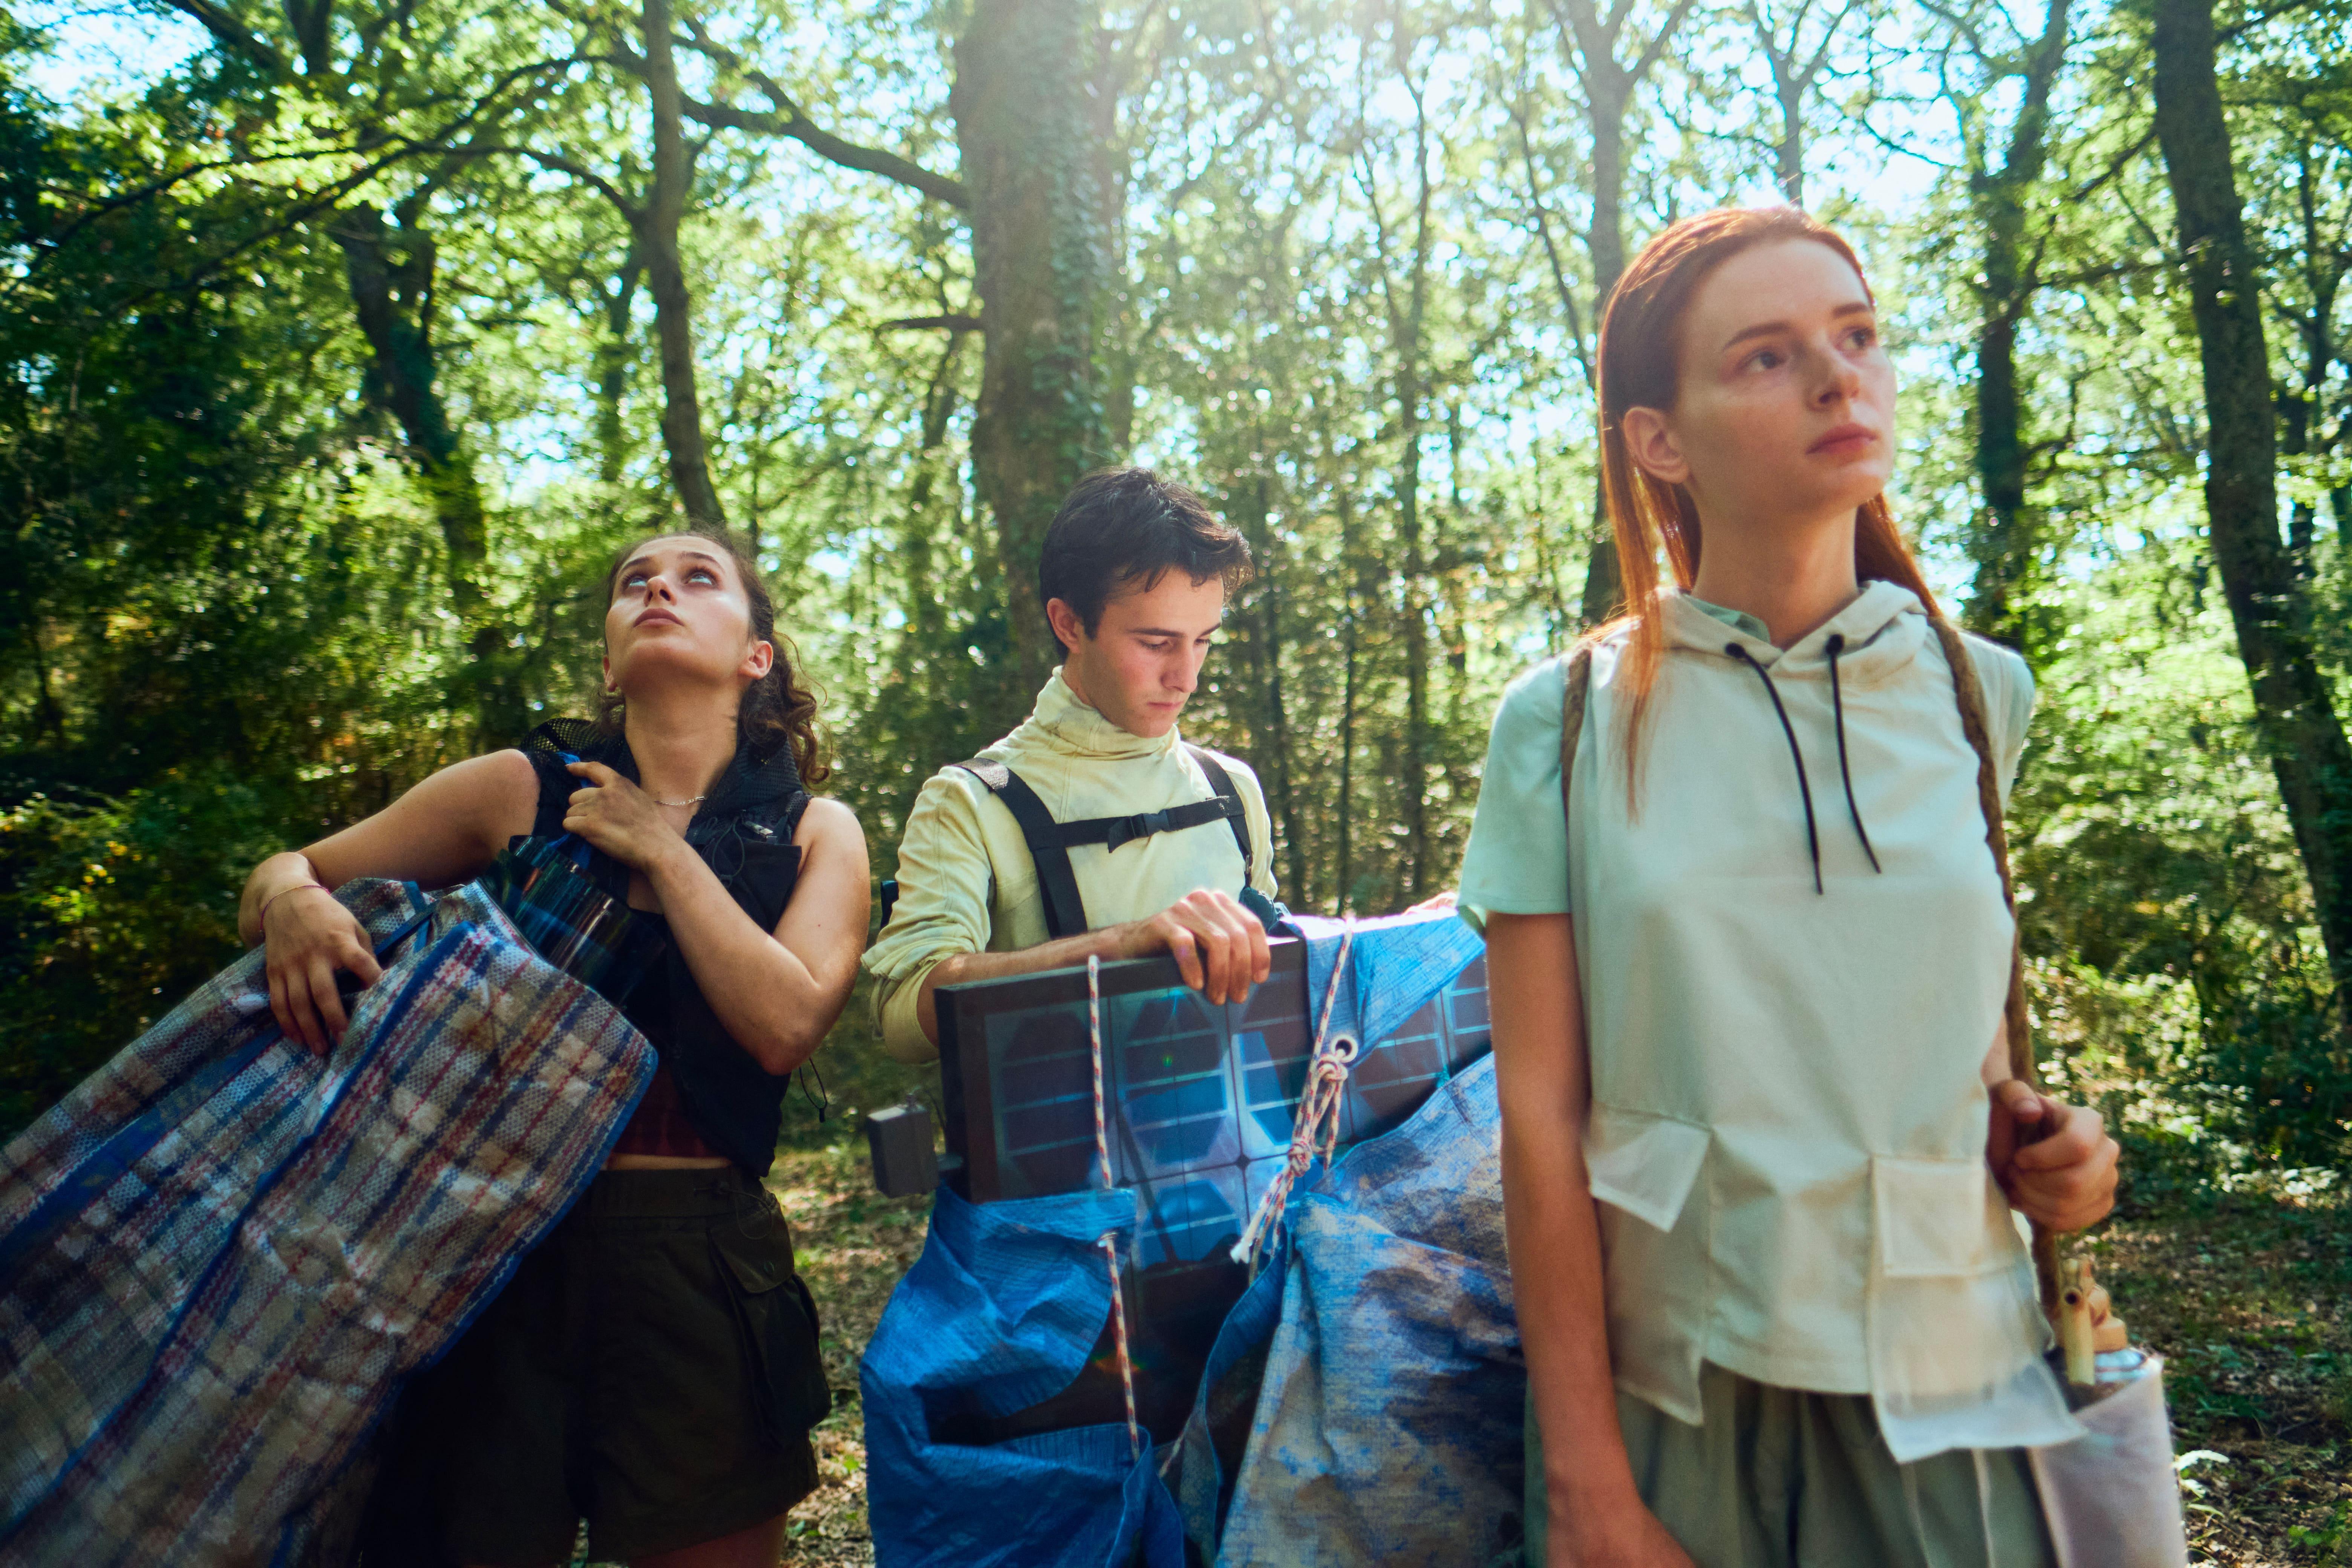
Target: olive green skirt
[[1777, 1477]]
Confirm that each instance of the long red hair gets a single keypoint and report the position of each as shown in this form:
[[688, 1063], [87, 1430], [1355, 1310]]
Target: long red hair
[[1641, 355]]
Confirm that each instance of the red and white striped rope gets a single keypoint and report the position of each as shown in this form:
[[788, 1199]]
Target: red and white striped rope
[[1094, 1033], [1118, 1325], [1317, 1120], [1110, 1241]]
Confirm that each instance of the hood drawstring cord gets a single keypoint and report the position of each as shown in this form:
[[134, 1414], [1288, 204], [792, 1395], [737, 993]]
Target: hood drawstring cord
[[1837, 707], [1812, 837]]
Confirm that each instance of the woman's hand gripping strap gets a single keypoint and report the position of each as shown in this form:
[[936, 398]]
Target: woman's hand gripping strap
[[1109, 1240], [1317, 1120]]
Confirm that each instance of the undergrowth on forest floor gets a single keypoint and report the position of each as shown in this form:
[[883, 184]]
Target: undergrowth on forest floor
[[2248, 1295]]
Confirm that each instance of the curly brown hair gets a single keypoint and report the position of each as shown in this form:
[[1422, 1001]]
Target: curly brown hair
[[778, 709]]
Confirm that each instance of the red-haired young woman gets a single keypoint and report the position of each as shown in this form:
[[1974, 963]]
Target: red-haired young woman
[[1759, 1135]]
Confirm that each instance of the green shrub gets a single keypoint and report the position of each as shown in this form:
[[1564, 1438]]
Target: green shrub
[[110, 911]]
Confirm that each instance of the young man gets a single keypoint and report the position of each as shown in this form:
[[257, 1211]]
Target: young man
[[1092, 828]]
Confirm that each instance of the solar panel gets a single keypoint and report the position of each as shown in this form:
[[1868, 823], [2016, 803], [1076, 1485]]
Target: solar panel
[[1198, 1107]]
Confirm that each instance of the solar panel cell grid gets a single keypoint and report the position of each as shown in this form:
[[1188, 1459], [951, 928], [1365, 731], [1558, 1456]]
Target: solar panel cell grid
[[1199, 1104]]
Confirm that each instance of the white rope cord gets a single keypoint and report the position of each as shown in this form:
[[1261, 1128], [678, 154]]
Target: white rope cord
[[1109, 1240], [1316, 1121]]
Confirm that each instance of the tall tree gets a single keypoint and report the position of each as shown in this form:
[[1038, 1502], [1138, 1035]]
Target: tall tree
[[657, 221], [2308, 295], [645, 43], [413, 110], [1797, 65], [1404, 247], [1987, 63], [1035, 127], [2310, 756], [1595, 39], [1044, 180]]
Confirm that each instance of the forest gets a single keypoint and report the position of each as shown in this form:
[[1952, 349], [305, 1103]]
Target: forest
[[341, 343]]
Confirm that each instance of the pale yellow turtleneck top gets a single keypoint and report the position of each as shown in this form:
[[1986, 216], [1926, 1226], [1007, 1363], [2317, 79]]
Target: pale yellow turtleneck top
[[966, 882]]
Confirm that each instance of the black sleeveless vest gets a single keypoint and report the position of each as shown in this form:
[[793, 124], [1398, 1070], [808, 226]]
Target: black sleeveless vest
[[744, 834]]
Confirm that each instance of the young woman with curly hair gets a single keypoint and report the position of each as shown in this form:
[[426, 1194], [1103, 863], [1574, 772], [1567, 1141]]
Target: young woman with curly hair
[[652, 1367]]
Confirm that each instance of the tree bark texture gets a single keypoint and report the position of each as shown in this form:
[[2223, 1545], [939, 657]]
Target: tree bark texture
[[2310, 756], [658, 224], [1029, 125]]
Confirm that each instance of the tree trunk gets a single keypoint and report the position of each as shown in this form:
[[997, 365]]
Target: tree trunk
[[1273, 758], [2309, 753], [658, 224], [1414, 783], [1604, 242], [2009, 542], [393, 303], [1406, 340], [2004, 545], [1609, 85], [1608, 91], [1605, 239], [926, 614], [2305, 411], [1343, 884], [613, 357], [1789, 151], [1028, 128]]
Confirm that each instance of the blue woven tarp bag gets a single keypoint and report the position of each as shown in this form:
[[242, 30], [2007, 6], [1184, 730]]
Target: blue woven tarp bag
[[1000, 1312], [222, 1255], [1009, 1298], [1389, 1419]]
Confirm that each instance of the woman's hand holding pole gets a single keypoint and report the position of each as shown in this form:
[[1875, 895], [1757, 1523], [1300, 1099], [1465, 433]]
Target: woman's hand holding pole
[[2055, 1160]]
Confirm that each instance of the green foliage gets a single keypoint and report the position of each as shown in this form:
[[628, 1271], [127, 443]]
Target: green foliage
[[110, 912], [1353, 304], [2175, 970]]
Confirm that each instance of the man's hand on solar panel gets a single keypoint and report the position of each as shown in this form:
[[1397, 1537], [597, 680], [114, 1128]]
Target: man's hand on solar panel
[[1219, 946]]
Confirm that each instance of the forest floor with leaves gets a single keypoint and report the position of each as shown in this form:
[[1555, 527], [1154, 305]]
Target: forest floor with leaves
[[2248, 1295]]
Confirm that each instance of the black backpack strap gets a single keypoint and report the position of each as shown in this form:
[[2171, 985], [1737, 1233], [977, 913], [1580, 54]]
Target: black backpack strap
[[1223, 783], [1050, 842], [1113, 831], [1065, 913]]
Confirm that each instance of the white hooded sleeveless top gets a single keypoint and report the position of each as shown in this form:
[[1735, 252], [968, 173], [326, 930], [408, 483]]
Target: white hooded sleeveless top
[[1789, 1118]]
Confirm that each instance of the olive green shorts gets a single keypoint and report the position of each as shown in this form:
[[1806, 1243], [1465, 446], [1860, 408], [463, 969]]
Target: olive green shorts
[[1777, 1477], [652, 1368]]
